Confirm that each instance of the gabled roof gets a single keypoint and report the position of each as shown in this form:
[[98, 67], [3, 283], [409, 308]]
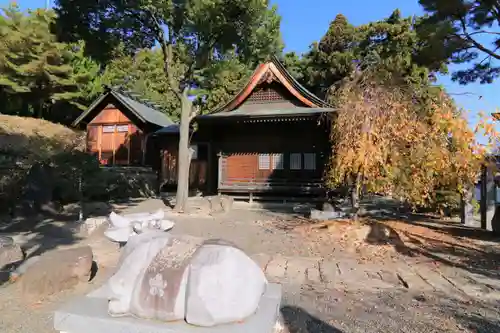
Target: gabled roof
[[145, 111], [273, 70]]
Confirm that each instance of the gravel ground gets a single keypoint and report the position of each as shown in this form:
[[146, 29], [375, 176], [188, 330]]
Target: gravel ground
[[306, 308]]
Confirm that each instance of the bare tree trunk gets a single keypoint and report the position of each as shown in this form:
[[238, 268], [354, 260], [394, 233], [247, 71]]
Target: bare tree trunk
[[183, 160]]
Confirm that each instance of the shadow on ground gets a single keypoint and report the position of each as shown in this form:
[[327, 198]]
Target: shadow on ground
[[447, 243], [297, 320], [479, 324], [40, 233]]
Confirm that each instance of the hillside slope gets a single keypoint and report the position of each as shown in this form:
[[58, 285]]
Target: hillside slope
[[31, 139]]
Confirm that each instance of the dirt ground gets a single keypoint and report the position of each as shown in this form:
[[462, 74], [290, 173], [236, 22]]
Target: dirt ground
[[419, 241]]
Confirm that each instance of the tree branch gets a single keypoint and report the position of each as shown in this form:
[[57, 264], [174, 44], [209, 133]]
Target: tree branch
[[167, 51], [482, 32], [478, 45]]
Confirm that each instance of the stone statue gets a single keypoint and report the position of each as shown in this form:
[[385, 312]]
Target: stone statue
[[167, 277], [123, 227]]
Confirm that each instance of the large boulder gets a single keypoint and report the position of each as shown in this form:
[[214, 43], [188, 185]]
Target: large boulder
[[57, 271], [10, 253], [225, 285], [171, 277]]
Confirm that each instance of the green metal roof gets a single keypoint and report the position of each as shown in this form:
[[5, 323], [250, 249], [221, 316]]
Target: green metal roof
[[144, 110]]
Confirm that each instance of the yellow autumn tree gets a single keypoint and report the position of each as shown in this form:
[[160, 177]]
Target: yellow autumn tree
[[387, 141]]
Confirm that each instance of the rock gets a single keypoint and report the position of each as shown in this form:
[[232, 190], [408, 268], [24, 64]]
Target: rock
[[326, 215], [171, 277], [10, 253], [215, 204], [227, 203], [224, 285], [90, 225], [57, 271]]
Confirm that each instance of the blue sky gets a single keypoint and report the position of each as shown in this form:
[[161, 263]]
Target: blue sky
[[306, 21]]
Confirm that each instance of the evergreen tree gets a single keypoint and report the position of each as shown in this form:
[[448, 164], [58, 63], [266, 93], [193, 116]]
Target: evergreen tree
[[143, 75], [391, 45], [465, 32], [37, 69]]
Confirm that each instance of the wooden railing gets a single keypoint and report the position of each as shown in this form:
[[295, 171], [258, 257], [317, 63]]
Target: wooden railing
[[271, 185]]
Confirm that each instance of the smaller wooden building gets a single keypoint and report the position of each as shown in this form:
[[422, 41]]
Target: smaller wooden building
[[118, 127]]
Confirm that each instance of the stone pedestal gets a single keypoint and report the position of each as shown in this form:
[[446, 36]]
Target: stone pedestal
[[90, 314], [488, 199]]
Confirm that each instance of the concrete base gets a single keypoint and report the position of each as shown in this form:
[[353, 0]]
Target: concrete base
[[90, 314]]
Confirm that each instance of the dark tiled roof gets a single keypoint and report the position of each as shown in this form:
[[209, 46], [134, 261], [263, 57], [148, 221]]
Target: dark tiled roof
[[285, 112], [144, 110]]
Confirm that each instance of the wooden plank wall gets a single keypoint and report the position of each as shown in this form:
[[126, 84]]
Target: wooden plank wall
[[198, 171], [115, 139], [241, 145]]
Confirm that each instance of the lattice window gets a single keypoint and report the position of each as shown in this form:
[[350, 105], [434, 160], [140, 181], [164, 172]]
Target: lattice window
[[265, 95], [295, 161], [264, 161], [278, 162], [309, 161]]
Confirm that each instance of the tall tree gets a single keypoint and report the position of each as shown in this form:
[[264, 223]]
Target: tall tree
[[392, 45], [143, 74], [331, 60], [100, 25], [466, 31], [193, 33], [36, 68], [221, 80]]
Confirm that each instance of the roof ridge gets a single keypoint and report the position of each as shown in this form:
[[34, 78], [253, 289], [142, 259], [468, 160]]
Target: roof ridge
[[139, 98], [316, 99]]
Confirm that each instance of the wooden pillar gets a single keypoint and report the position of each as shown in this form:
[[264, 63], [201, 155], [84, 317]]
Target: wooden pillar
[[143, 147]]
